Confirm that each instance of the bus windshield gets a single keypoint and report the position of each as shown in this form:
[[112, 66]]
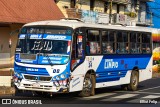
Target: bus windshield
[[36, 46], [45, 42]]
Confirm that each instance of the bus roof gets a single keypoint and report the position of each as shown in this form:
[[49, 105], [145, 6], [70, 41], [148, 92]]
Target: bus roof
[[75, 24]]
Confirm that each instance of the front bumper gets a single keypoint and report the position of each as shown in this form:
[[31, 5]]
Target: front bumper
[[40, 86]]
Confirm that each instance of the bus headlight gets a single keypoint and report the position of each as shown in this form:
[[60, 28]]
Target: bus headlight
[[21, 77], [53, 79], [57, 77], [63, 76]]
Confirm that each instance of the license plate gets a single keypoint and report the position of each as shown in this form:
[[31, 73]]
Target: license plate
[[36, 85]]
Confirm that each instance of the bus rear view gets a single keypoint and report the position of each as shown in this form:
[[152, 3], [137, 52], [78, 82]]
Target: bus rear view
[[42, 59]]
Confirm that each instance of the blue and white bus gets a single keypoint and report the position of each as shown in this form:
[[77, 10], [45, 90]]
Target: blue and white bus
[[69, 55]]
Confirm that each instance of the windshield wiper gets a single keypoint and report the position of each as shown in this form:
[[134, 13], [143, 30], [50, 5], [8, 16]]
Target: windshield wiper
[[48, 58]]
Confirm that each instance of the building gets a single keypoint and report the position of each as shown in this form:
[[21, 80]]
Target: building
[[153, 12], [153, 9], [13, 16], [130, 12], [100, 6]]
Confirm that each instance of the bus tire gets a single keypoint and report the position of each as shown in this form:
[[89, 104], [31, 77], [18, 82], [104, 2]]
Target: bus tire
[[124, 87], [17, 91], [133, 81], [88, 86]]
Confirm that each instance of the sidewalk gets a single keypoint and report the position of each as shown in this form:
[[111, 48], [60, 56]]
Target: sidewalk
[[6, 90]]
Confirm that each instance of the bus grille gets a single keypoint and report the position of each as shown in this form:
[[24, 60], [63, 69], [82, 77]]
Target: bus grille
[[41, 78]]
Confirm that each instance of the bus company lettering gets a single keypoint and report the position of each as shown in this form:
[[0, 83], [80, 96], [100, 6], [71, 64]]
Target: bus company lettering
[[22, 36], [55, 37], [31, 69], [109, 63], [35, 36]]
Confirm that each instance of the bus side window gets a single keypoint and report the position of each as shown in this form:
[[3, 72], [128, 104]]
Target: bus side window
[[93, 42], [79, 46], [108, 42], [94, 48], [122, 42], [135, 43], [146, 43]]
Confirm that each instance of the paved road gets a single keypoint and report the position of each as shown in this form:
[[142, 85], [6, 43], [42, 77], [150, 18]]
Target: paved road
[[148, 93]]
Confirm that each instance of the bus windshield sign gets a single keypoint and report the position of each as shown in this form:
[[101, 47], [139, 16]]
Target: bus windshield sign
[[48, 47]]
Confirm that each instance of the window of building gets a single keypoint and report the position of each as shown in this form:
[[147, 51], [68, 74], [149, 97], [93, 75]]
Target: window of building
[[73, 3], [92, 4], [106, 6], [93, 42], [118, 8]]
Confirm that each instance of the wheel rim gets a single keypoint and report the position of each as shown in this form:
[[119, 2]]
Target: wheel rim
[[87, 85], [134, 81]]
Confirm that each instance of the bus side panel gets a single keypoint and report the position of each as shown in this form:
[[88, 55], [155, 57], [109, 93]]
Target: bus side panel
[[77, 78], [124, 80], [90, 63], [116, 70], [146, 73]]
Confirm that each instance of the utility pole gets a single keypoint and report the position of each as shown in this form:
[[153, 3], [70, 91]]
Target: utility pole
[[110, 12]]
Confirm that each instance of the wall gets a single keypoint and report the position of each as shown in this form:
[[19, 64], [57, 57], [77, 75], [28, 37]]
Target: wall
[[83, 4], [99, 6], [121, 10], [4, 46], [61, 4], [6, 53], [4, 38]]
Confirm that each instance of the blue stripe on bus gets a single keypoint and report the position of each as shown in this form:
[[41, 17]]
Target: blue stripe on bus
[[114, 67], [30, 70]]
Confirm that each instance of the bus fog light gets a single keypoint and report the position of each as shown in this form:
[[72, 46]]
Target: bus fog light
[[64, 82], [60, 83], [56, 84], [18, 74], [21, 77], [53, 79]]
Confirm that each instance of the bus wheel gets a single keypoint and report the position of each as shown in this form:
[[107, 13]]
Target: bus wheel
[[124, 87], [88, 86], [134, 81], [17, 91]]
